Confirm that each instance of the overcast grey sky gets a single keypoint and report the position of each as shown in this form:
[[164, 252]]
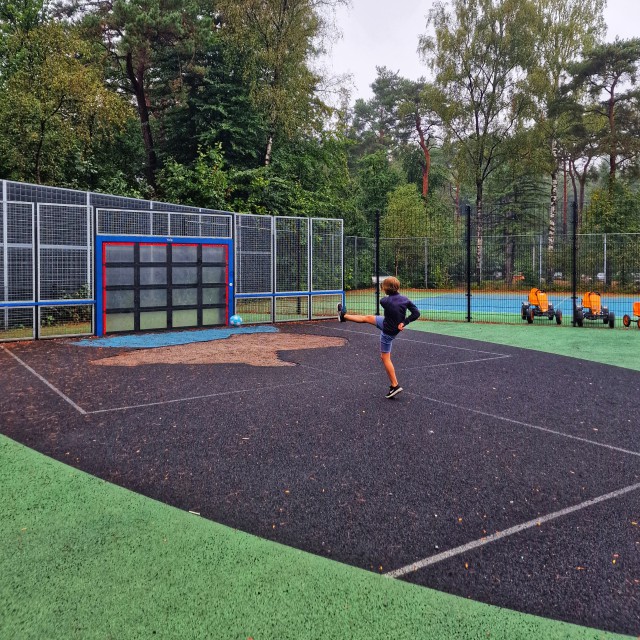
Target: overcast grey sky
[[381, 33]]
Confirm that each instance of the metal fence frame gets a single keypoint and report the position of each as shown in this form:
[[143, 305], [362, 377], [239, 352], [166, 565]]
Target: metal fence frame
[[44, 257], [263, 293], [443, 273]]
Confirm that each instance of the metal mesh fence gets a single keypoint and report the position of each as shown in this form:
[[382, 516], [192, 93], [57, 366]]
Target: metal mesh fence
[[254, 257], [326, 254], [282, 256], [47, 262], [163, 223], [65, 255], [17, 277], [292, 254], [494, 283], [46, 251], [68, 320], [17, 323]]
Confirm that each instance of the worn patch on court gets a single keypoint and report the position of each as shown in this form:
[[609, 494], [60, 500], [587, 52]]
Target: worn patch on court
[[256, 350]]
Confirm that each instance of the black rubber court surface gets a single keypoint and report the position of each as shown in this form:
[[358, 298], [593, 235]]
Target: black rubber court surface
[[507, 476]]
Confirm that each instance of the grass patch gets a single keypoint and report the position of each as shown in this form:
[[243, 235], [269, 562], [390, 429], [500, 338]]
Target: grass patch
[[81, 558]]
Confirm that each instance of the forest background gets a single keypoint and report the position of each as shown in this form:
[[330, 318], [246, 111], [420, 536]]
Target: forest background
[[220, 104]]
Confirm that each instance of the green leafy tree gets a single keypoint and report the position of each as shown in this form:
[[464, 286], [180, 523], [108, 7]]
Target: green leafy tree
[[614, 209], [481, 51], [376, 178], [278, 39], [151, 45], [565, 28], [204, 184], [54, 105], [608, 73]]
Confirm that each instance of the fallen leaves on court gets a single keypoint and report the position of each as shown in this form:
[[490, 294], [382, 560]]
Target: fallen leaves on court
[[258, 350]]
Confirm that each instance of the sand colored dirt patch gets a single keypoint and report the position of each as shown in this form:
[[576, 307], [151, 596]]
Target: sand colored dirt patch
[[258, 350]]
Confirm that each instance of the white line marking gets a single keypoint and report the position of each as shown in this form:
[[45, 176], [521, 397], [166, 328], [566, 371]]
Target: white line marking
[[208, 395], [433, 344], [37, 375], [425, 366], [445, 555], [523, 424], [448, 364]]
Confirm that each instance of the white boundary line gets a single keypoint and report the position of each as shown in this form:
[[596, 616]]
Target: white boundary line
[[208, 395], [449, 364], [445, 555], [433, 344], [78, 408], [523, 424]]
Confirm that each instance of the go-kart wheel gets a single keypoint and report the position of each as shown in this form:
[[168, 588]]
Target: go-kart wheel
[[530, 316], [558, 317], [605, 320], [579, 317], [626, 320], [523, 312], [639, 323], [612, 320]]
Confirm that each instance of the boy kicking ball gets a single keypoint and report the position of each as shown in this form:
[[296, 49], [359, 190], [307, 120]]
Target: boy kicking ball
[[394, 321]]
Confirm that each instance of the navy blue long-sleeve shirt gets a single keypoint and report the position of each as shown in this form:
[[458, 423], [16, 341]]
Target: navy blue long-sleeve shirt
[[395, 310]]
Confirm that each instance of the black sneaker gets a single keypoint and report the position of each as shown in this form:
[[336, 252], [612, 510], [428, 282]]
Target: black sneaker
[[393, 391], [341, 312]]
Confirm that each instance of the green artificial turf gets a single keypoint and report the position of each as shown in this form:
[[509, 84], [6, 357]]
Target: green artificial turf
[[82, 558], [618, 347]]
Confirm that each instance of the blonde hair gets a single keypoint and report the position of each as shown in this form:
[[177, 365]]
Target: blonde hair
[[391, 285]]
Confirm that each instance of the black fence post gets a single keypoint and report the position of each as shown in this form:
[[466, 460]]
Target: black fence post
[[468, 263], [574, 260], [377, 259]]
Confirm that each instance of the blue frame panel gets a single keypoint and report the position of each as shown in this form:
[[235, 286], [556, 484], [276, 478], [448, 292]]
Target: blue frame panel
[[100, 240]]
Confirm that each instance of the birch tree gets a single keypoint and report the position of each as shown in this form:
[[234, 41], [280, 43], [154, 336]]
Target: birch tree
[[565, 28]]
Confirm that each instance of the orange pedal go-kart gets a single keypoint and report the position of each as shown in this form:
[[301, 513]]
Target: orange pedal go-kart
[[592, 309], [626, 318], [537, 305]]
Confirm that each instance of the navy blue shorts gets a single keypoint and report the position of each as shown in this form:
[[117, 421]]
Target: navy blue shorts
[[385, 340]]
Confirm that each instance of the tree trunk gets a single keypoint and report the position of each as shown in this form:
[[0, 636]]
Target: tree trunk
[[427, 156], [565, 202], [136, 78], [508, 263], [612, 129], [479, 229], [269, 151], [553, 205]]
